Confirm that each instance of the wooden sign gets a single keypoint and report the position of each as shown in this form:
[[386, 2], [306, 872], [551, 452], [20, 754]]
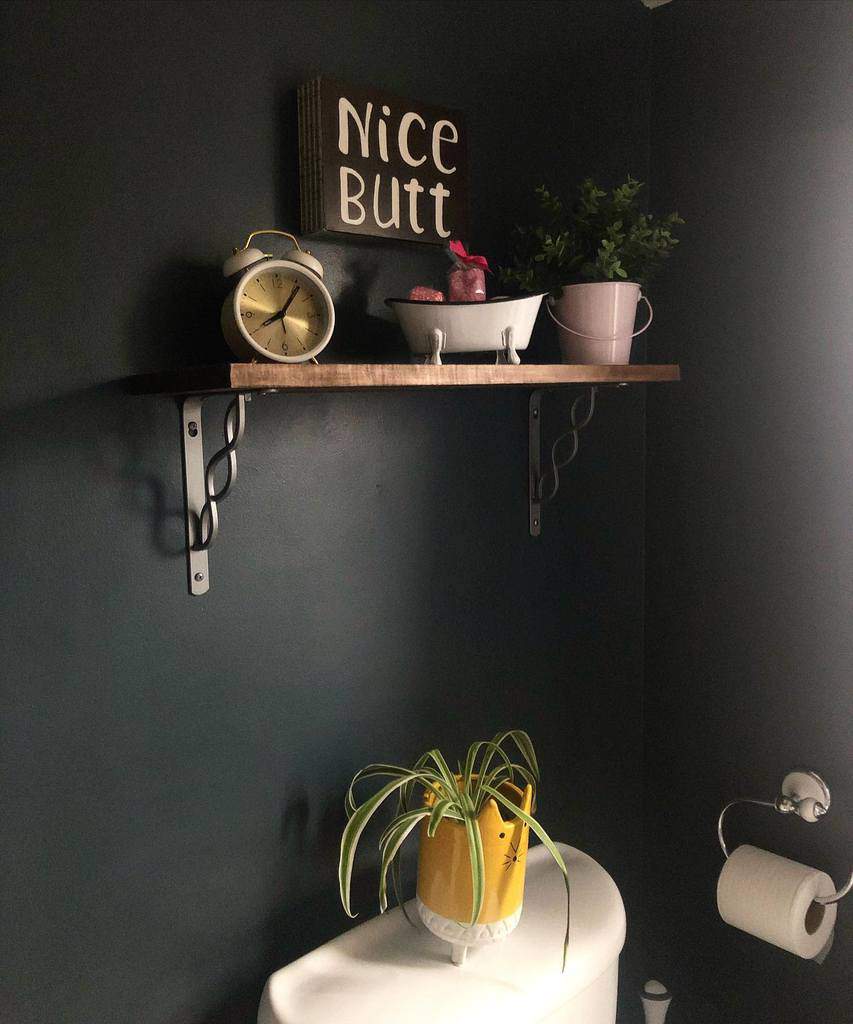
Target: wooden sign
[[374, 164]]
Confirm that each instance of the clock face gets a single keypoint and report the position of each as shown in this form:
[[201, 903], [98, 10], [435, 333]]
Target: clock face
[[283, 311]]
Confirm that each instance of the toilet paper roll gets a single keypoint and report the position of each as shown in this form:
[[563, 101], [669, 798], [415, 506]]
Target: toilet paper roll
[[771, 897]]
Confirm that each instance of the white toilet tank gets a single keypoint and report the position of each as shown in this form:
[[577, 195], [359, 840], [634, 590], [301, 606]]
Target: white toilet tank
[[386, 972]]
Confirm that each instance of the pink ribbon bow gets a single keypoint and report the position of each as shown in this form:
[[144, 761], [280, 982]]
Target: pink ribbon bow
[[468, 259]]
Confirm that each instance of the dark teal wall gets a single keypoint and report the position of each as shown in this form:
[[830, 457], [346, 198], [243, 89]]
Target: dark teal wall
[[174, 768], [749, 566]]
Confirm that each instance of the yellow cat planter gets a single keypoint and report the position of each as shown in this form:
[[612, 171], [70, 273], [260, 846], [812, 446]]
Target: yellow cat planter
[[444, 896], [474, 832]]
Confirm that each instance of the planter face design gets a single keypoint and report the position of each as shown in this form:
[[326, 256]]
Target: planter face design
[[444, 874]]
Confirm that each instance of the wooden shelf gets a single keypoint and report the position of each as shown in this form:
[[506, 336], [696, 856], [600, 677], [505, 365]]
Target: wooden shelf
[[228, 377], [194, 384]]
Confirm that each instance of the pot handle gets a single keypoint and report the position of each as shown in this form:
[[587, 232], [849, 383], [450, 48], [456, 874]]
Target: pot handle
[[589, 337]]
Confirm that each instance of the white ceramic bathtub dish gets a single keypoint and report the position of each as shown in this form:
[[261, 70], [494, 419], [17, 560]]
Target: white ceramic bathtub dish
[[501, 325]]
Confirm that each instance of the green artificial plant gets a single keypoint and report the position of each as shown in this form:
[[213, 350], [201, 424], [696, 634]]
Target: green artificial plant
[[457, 797], [600, 237]]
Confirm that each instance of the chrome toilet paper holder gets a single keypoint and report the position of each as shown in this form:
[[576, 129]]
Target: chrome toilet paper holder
[[803, 793]]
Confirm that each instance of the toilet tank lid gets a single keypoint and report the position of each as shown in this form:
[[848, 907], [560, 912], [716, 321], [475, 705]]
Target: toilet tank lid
[[386, 971]]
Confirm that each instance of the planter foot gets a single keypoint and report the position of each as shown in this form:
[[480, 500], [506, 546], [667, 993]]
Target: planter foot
[[458, 954]]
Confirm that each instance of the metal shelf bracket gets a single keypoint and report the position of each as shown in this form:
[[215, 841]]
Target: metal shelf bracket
[[540, 493], [201, 496]]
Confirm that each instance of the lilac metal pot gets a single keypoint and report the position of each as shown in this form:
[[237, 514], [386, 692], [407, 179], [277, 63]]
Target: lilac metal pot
[[595, 321]]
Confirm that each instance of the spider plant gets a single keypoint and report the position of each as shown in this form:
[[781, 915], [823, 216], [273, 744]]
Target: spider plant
[[430, 792], [599, 237]]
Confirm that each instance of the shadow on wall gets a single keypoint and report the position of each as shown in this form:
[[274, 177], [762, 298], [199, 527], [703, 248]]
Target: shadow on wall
[[176, 319], [287, 169], [309, 836], [101, 437], [354, 324], [109, 438]]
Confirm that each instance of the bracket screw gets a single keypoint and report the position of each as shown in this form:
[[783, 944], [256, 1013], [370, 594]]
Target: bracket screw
[[536, 414], [199, 577], [535, 522], [192, 428]]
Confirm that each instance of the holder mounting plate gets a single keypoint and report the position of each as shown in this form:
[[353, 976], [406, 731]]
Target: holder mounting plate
[[802, 783]]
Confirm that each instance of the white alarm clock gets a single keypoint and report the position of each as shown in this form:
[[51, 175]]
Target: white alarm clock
[[279, 308]]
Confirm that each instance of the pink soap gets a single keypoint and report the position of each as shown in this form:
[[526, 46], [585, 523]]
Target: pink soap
[[466, 284], [420, 293]]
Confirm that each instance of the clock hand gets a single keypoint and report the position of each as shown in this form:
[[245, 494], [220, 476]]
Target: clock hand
[[281, 313], [290, 299]]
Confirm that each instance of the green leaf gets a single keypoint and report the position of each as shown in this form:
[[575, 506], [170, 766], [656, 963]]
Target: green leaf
[[440, 810], [395, 839], [527, 775], [428, 779], [490, 748], [366, 773], [447, 775], [495, 777], [352, 833], [478, 868], [525, 747], [470, 761], [568, 240]]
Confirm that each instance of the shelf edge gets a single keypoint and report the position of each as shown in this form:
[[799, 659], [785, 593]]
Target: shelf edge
[[229, 377]]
